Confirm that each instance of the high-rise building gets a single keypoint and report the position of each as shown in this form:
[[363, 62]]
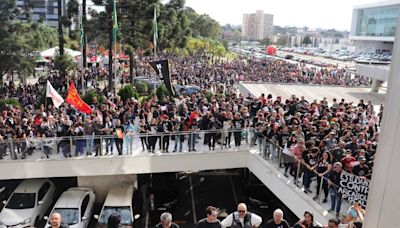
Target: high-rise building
[[257, 26], [374, 25], [45, 11]]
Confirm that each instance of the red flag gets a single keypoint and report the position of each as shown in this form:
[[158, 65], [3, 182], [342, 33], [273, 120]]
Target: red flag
[[75, 100]]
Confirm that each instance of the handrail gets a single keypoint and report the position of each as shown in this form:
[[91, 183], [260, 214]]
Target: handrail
[[16, 149]]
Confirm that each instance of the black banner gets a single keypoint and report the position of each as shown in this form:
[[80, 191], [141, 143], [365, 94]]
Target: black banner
[[162, 69], [354, 188]]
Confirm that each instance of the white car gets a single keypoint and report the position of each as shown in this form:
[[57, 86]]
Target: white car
[[118, 200], [75, 207], [27, 204]]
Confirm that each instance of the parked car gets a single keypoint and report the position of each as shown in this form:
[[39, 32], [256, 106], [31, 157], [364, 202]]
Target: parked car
[[28, 203], [187, 90], [75, 207], [120, 200], [7, 187]]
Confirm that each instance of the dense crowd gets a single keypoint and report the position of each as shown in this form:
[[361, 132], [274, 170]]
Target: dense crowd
[[325, 136]]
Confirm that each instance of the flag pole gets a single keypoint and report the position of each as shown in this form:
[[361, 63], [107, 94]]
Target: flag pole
[[155, 32]]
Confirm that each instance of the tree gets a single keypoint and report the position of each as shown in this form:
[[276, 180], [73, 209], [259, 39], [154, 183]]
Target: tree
[[265, 41], [63, 63], [306, 40], [282, 41], [16, 54]]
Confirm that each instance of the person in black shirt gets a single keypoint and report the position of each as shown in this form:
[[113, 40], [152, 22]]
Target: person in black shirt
[[361, 170], [238, 124], [277, 221], [334, 184], [211, 220], [310, 162], [166, 221]]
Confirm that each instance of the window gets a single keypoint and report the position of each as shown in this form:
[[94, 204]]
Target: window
[[84, 205], [43, 190]]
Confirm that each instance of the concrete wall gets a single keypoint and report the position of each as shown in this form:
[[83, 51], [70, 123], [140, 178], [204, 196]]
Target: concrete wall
[[375, 72], [101, 184]]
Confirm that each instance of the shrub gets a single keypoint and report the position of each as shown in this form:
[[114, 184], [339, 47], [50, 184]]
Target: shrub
[[162, 91], [91, 95], [14, 102], [141, 87], [127, 92]]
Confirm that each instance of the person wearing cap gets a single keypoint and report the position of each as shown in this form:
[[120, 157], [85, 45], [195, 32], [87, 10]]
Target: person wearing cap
[[361, 170], [334, 184]]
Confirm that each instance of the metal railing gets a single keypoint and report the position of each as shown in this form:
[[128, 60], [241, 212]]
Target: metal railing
[[36, 148], [309, 181]]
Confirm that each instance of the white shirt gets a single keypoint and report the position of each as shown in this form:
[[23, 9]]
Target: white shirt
[[255, 220]]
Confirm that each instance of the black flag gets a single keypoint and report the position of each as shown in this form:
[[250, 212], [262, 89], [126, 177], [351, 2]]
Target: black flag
[[162, 69]]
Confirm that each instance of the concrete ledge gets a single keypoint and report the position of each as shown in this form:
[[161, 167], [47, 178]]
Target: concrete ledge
[[116, 165]]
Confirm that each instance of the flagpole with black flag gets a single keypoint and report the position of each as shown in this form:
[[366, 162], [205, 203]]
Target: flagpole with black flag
[[155, 32]]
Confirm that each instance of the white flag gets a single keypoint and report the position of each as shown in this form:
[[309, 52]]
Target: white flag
[[52, 93]]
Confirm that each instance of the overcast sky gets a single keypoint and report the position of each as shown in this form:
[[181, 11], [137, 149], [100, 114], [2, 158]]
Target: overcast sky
[[311, 13]]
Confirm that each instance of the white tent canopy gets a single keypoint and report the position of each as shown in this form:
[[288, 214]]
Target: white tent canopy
[[50, 53]]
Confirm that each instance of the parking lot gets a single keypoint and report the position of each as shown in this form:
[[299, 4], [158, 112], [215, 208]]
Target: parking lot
[[195, 191]]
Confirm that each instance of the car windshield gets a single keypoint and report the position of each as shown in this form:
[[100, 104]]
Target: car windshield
[[21, 201], [124, 212], [69, 216]]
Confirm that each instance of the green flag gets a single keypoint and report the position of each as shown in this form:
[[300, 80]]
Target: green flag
[[115, 23], [155, 29]]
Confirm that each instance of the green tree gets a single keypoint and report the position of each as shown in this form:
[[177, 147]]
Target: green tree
[[127, 92], [306, 40], [15, 52], [63, 63], [266, 41], [282, 41]]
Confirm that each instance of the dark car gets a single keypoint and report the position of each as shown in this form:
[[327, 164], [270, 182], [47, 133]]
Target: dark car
[[288, 56], [164, 188]]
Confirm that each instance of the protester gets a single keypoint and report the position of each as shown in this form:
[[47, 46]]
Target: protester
[[56, 221], [166, 221], [113, 220], [277, 220], [242, 218], [211, 220]]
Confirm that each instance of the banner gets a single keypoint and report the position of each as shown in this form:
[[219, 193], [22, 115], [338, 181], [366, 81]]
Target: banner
[[75, 100], [54, 95], [354, 188], [162, 69]]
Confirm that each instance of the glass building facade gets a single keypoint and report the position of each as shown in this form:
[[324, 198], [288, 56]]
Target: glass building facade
[[378, 21]]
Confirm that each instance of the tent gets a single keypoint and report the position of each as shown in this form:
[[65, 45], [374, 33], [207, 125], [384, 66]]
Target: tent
[[50, 53], [40, 59]]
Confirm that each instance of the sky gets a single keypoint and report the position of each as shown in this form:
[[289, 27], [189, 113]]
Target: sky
[[324, 14]]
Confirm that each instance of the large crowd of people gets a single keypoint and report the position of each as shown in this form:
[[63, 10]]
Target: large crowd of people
[[325, 136]]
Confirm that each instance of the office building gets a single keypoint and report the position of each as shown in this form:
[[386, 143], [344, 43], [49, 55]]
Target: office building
[[373, 26], [45, 11], [257, 26]]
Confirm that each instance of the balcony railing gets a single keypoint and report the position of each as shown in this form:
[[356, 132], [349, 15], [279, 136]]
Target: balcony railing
[[126, 145]]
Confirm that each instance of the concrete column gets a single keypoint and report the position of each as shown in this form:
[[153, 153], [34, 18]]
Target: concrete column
[[383, 205], [376, 84]]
